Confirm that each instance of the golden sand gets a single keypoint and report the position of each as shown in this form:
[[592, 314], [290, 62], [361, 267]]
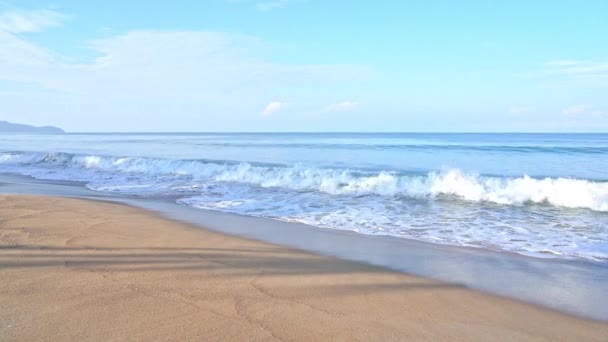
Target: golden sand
[[75, 270]]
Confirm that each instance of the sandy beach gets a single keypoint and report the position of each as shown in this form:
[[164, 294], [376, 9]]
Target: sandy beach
[[75, 270]]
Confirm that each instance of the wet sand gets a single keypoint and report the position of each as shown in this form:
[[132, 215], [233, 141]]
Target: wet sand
[[85, 270]]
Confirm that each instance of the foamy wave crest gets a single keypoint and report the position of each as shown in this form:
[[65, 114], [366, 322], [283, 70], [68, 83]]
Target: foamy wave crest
[[563, 192]]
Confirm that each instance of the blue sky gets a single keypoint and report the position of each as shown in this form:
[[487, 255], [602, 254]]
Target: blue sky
[[305, 65]]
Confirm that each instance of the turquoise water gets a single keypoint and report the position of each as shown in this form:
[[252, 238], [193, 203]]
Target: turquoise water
[[543, 195]]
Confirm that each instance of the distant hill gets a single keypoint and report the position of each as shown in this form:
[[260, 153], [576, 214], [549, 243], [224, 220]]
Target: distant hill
[[20, 128]]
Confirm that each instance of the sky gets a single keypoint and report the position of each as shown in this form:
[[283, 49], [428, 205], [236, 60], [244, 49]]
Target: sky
[[305, 65]]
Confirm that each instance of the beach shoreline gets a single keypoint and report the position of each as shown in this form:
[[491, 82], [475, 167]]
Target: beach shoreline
[[111, 271], [571, 286]]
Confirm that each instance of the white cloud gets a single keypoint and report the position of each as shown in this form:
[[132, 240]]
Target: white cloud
[[341, 106], [521, 110], [574, 110], [581, 72], [580, 111], [273, 107], [29, 21], [270, 5], [264, 5], [579, 67], [563, 63], [201, 80]]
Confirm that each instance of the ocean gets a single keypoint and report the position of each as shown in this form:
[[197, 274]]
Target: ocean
[[541, 195]]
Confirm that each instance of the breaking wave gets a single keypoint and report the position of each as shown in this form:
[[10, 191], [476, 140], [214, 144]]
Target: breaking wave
[[445, 184]]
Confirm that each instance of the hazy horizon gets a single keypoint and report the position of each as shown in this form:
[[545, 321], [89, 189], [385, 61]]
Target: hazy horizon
[[304, 132], [309, 132]]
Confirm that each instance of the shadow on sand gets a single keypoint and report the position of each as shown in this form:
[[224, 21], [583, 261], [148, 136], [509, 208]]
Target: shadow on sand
[[225, 262]]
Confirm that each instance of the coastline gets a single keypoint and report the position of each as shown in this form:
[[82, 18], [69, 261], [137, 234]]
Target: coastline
[[79, 269], [571, 286]]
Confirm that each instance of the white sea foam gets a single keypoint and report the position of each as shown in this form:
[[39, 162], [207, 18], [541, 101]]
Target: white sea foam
[[452, 183], [558, 217]]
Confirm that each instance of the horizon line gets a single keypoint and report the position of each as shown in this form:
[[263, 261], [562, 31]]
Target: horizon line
[[325, 132]]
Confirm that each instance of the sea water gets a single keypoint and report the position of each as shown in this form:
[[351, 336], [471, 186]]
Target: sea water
[[543, 195]]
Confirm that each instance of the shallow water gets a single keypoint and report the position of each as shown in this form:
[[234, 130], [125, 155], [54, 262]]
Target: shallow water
[[543, 195]]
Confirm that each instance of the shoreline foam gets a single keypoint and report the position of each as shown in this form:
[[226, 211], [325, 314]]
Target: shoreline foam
[[579, 289], [541, 217]]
